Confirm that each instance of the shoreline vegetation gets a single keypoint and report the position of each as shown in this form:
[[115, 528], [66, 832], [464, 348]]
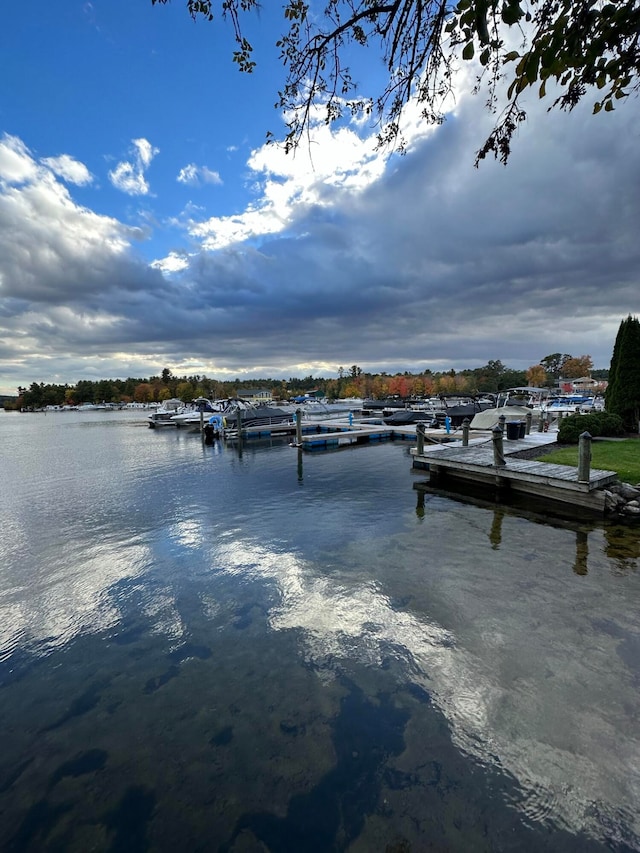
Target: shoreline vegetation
[[620, 455], [351, 382]]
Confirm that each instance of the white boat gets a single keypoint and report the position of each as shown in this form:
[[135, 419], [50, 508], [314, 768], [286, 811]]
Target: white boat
[[514, 404], [196, 413], [313, 408], [569, 404], [162, 416]]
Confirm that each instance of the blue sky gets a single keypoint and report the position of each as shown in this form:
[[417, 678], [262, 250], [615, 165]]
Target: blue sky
[[144, 223]]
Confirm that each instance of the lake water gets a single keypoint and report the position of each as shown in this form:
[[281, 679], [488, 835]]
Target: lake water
[[202, 650]]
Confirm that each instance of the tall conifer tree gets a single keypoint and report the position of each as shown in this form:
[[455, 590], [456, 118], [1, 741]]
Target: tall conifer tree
[[623, 392]]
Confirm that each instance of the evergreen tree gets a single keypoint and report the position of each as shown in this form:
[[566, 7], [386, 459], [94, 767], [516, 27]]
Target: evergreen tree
[[623, 392]]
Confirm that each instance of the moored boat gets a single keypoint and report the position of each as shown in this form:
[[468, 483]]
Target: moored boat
[[196, 413], [514, 404], [314, 409], [252, 415], [162, 416], [569, 404]]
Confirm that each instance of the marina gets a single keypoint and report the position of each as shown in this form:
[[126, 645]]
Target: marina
[[243, 646], [459, 453]]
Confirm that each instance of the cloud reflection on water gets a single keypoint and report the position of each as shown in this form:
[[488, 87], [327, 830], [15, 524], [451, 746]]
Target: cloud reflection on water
[[67, 596], [573, 752]]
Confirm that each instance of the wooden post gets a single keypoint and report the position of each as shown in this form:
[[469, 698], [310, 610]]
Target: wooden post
[[299, 427], [498, 448], [465, 432], [541, 422], [419, 438], [202, 424], [584, 457], [501, 422], [529, 418]]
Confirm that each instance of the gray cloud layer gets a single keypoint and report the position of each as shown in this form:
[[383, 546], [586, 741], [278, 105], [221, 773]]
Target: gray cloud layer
[[436, 264]]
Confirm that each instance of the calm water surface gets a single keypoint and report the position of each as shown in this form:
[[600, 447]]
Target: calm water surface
[[202, 651]]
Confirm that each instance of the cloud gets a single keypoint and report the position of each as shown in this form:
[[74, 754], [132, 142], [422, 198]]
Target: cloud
[[16, 163], [425, 261], [69, 169], [352, 256], [67, 274], [173, 262], [195, 176], [290, 184], [128, 176]]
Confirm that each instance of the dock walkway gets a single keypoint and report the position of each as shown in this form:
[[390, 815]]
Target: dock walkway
[[337, 434], [476, 463]]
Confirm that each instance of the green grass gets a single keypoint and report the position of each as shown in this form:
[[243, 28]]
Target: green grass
[[623, 457]]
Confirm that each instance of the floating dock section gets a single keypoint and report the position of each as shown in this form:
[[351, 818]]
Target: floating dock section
[[331, 434], [334, 435]]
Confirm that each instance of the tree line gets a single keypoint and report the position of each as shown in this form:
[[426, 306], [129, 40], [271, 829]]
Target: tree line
[[350, 382]]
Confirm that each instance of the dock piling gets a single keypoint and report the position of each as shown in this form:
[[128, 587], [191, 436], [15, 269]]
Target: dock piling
[[465, 432], [299, 427], [498, 447], [584, 457], [420, 438], [239, 415]]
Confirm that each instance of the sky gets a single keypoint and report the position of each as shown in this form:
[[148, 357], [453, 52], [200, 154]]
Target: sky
[[145, 224]]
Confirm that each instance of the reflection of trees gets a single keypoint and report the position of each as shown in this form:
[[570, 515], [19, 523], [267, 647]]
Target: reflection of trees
[[623, 546]]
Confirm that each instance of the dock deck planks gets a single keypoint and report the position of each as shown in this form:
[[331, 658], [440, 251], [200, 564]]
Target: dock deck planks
[[542, 479], [480, 460]]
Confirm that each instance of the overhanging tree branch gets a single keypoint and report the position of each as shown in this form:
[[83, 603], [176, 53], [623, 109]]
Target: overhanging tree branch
[[579, 45]]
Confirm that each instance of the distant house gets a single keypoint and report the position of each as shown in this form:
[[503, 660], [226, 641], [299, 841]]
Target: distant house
[[256, 395], [584, 385]]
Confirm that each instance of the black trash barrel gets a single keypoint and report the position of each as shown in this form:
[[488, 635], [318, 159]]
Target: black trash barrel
[[513, 430]]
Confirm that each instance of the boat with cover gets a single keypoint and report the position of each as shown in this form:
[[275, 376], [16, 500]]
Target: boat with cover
[[406, 417], [314, 408], [515, 404], [252, 415]]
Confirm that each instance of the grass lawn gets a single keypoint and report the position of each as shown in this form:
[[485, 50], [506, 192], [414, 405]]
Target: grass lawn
[[623, 457]]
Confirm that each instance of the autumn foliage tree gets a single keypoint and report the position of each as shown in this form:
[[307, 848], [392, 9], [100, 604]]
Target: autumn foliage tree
[[574, 368], [536, 375]]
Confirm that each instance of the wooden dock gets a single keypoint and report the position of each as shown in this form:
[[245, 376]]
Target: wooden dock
[[330, 434], [336, 435], [475, 463]]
